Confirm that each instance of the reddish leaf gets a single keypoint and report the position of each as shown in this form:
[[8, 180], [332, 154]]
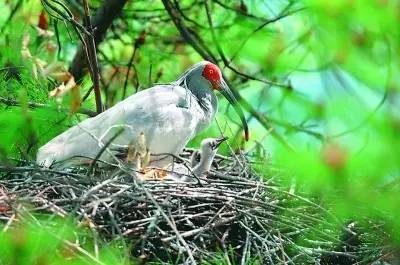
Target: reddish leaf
[[334, 155], [43, 22], [141, 39]]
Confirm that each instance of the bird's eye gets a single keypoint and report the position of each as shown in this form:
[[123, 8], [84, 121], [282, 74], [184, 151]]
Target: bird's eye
[[211, 72]]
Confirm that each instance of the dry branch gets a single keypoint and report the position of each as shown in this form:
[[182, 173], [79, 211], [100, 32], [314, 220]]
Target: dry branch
[[92, 56], [101, 22], [184, 221], [34, 105]]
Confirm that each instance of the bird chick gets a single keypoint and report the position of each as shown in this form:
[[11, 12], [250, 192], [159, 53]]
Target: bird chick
[[208, 150], [179, 172]]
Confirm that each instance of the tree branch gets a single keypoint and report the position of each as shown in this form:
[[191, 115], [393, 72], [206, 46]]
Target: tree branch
[[189, 36], [196, 42], [34, 105], [101, 21], [92, 57]]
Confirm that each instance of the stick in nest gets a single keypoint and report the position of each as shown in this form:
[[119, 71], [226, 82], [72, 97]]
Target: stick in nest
[[247, 216]]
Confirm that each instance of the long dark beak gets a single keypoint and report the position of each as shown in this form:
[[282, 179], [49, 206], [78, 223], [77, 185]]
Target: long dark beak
[[220, 140], [226, 91]]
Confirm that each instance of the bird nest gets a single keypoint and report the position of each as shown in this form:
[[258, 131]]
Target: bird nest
[[230, 214]]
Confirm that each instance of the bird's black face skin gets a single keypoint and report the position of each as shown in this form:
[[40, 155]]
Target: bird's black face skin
[[215, 144]]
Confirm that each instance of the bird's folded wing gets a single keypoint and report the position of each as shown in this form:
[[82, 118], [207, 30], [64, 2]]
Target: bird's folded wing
[[161, 112]]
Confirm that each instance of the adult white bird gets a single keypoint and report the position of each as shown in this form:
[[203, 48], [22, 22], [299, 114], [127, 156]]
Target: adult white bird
[[169, 115]]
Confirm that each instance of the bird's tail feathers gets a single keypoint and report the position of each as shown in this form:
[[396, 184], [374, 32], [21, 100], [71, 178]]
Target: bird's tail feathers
[[49, 153]]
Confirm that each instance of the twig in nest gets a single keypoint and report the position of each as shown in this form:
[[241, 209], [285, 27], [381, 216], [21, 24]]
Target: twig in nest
[[247, 216]]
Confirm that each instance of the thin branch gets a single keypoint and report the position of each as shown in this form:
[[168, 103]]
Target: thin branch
[[264, 24], [65, 14], [128, 72], [34, 105], [92, 57], [195, 41], [188, 35], [238, 11], [12, 14], [380, 103], [130, 65], [101, 22]]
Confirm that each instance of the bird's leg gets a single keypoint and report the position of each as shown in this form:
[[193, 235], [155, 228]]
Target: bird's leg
[[138, 162], [143, 150], [133, 157], [143, 157], [146, 158], [132, 153], [141, 144]]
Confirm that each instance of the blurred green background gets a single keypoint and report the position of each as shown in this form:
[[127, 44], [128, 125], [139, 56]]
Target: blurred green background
[[319, 81]]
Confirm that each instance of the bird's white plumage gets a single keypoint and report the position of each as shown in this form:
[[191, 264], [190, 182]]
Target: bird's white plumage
[[208, 150], [169, 116]]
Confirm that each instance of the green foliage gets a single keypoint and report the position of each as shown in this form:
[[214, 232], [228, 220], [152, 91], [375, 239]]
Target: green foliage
[[358, 171], [24, 129], [360, 36], [340, 112], [44, 240]]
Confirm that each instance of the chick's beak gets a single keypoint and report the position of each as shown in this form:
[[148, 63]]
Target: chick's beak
[[220, 140], [227, 93]]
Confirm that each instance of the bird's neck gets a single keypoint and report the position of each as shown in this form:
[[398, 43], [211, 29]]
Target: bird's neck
[[209, 107], [204, 165], [204, 96], [209, 104]]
